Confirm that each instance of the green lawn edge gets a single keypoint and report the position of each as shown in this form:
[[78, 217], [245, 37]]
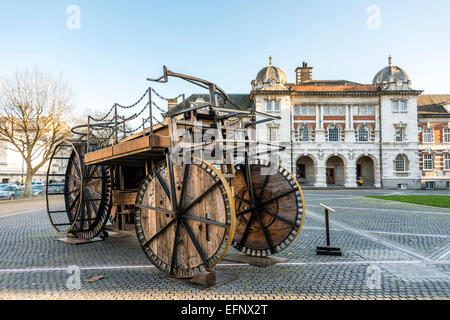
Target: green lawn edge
[[440, 201]]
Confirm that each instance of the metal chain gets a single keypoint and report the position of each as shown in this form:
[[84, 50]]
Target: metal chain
[[134, 104], [133, 116], [167, 99], [159, 122], [106, 116], [159, 108]]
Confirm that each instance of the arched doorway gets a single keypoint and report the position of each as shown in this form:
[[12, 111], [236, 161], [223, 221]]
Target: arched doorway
[[365, 169], [335, 171], [305, 169]]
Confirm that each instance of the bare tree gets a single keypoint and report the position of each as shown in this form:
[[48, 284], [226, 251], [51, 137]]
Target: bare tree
[[34, 109]]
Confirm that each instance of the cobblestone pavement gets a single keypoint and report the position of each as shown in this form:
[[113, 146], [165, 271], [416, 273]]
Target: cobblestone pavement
[[407, 245]]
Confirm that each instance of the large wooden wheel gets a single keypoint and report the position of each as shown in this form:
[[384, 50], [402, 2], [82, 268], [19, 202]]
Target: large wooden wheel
[[269, 209], [82, 203], [190, 232]]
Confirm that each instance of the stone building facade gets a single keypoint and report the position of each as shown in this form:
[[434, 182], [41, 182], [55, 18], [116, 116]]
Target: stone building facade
[[343, 133], [434, 141]]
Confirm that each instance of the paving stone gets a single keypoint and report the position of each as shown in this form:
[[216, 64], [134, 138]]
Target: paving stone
[[29, 246]]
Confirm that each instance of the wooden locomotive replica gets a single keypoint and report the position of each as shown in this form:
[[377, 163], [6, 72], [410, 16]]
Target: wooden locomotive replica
[[191, 185]]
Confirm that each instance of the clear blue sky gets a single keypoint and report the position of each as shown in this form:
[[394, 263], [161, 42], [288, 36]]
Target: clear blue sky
[[121, 43]]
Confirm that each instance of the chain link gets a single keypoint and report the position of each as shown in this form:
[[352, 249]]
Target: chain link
[[167, 99], [134, 104], [158, 107]]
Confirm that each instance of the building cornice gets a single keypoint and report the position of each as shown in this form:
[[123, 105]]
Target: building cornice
[[335, 93]]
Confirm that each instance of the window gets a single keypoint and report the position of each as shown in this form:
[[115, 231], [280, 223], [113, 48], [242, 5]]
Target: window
[[296, 110], [428, 136], [269, 105], [428, 161], [303, 133], [399, 134], [400, 164], [399, 106], [402, 105], [370, 110], [311, 110], [276, 106], [333, 133], [303, 109], [447, 161], [395, 106], [363, 134], [273, 134], [429, 185], [446, 135], [340, 110], [362, 110], [326, 110], [333, 110], [447, 184]]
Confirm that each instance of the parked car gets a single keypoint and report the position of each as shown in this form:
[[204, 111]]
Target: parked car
[[37, 183], [7, 191], [20, 192], [56, 187], [38, 190]]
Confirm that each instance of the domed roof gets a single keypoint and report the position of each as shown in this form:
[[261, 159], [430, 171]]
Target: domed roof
[[270, 75], [391, 74]]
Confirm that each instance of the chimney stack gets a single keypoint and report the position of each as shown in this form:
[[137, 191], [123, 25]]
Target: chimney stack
[[303, 73]]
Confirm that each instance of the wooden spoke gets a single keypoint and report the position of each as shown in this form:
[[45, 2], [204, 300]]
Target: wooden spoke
[[93, 191], [263, 228], [277, 217], [204, 194], [174, 248], [262, 203], [263, 187], [75, 166], [160, 231], [204, 220], [275, 206], [91, 171], [183, 186], [163, 183], [197, 234], [246, 232], [87, 193], [241, 199], [140, 205], [74, 178], [72, 191], [77, 197], [195, 242]]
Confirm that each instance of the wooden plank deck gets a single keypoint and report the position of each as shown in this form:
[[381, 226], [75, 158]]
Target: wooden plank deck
[[129, 150]]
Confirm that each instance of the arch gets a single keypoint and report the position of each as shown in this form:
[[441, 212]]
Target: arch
[[306, 169], [365, 170], [335, 166]]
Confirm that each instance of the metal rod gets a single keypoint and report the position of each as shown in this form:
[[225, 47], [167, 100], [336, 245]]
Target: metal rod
[[327, 226], [150, 113], [115, 124], [88, 132]]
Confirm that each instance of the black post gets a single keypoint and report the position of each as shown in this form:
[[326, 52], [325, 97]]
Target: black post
[[328, 250], [327, 226]]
